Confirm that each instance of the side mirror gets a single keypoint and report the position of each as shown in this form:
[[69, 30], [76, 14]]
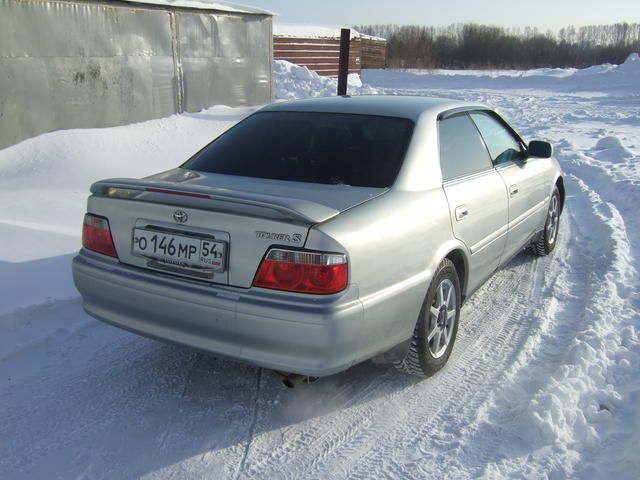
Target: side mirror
[[540, 149]]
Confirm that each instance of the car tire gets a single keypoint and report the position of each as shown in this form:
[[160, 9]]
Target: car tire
[[437, 325], [547, 239]]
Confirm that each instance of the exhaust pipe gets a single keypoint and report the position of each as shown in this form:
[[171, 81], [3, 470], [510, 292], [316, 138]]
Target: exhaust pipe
[[290, 380]]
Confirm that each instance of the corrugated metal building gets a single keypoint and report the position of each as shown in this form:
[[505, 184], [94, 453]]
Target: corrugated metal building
[[98, 63], [318, 48]]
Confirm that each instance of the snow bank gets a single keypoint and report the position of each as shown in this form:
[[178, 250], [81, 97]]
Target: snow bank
[[621, 79], [44, 183], [294, 82]]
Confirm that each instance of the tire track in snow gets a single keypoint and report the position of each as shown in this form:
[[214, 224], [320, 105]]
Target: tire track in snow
[[428, 432], [573, 307], [494, 428], [332, 447], [318, 438], [252, 425]]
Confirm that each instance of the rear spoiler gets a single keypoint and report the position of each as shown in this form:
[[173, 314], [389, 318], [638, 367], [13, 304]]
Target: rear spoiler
[[216, 199]]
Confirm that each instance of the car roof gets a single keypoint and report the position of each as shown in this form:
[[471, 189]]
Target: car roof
[[403, 106]]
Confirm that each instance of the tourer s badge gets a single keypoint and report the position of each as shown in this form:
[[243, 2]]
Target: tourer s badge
[[280, 237]]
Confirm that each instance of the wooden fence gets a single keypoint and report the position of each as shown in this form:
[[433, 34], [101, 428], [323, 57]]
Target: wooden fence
[[322, 54]]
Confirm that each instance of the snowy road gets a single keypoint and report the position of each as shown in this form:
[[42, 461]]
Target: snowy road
[[543, 382]]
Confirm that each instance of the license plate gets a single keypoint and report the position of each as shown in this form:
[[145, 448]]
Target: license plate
[[180, 249]]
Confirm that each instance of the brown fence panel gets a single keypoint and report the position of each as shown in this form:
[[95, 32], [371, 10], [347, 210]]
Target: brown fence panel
[[374, 53], [318, 54]]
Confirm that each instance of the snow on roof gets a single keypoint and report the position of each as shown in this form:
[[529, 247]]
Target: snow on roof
[[314, 31], [205, 5]]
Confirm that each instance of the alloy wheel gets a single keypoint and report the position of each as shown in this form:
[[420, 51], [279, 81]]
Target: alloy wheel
[[442, 318]]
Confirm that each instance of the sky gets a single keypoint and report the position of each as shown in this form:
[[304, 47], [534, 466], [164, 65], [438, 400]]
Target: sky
[[544, 14]]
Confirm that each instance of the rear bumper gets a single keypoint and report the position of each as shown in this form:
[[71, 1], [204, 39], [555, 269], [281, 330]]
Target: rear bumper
[[310, 335]]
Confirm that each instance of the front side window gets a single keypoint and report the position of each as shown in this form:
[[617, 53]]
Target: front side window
[[329, 148], [461, 149], [502, 145]]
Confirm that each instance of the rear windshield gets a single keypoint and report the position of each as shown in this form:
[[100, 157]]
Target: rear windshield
[[329, 148]]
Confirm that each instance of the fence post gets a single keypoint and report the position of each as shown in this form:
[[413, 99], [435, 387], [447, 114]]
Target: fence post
[[343, 68]]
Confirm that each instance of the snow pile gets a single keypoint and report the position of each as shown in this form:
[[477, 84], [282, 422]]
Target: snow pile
[[295, 82], [632, 64], [611, 148], [624, 77]]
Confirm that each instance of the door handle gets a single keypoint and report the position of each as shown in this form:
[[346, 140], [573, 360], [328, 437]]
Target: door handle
[[461, 212], [513, 190]]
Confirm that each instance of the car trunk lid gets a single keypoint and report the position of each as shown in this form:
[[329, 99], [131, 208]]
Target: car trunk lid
[[247, 215]]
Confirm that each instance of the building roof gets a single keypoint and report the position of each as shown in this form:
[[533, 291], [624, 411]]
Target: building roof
[[384, 105], [204, 5], [295, 30]]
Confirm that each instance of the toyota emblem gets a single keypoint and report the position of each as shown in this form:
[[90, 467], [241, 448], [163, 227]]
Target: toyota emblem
[[180, 216]]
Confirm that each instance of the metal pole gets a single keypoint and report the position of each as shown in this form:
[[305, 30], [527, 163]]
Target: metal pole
[[343, 68]]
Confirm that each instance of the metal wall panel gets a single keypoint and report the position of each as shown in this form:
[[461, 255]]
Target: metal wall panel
[[65, 64], [37, 28], [225, 59]]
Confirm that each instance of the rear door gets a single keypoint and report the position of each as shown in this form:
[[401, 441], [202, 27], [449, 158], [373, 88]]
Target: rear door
[[524, 178], [476, 195]]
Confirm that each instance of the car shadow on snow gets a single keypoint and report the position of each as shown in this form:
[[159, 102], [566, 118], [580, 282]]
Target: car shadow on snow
[[218, 406], [112, 404]]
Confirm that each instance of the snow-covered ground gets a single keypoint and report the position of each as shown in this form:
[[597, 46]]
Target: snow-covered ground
[[544, 381]]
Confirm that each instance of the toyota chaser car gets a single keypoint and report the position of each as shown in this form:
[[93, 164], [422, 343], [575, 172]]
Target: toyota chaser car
[[317, 234]]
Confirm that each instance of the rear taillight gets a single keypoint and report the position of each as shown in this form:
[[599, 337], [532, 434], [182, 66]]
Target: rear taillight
[[303, 272], [96, 235]]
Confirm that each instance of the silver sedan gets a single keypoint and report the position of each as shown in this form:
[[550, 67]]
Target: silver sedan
[[317, 234]]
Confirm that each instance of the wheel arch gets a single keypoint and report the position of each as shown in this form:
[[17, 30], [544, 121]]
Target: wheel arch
[[459, 260], [560, 184]]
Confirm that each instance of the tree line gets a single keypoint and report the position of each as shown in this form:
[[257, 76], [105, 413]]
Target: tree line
[[465, 46]]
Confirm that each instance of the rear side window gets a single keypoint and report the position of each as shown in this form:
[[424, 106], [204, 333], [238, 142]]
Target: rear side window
[[502, 145], [329, 148], [461, 149]]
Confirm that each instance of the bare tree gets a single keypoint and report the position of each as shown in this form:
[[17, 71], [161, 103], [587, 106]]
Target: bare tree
[[484, 46]]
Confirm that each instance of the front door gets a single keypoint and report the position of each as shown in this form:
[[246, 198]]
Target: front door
[[524, 179]]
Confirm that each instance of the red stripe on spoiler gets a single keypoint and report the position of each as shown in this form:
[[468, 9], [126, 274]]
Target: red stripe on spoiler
[[177, 192]]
